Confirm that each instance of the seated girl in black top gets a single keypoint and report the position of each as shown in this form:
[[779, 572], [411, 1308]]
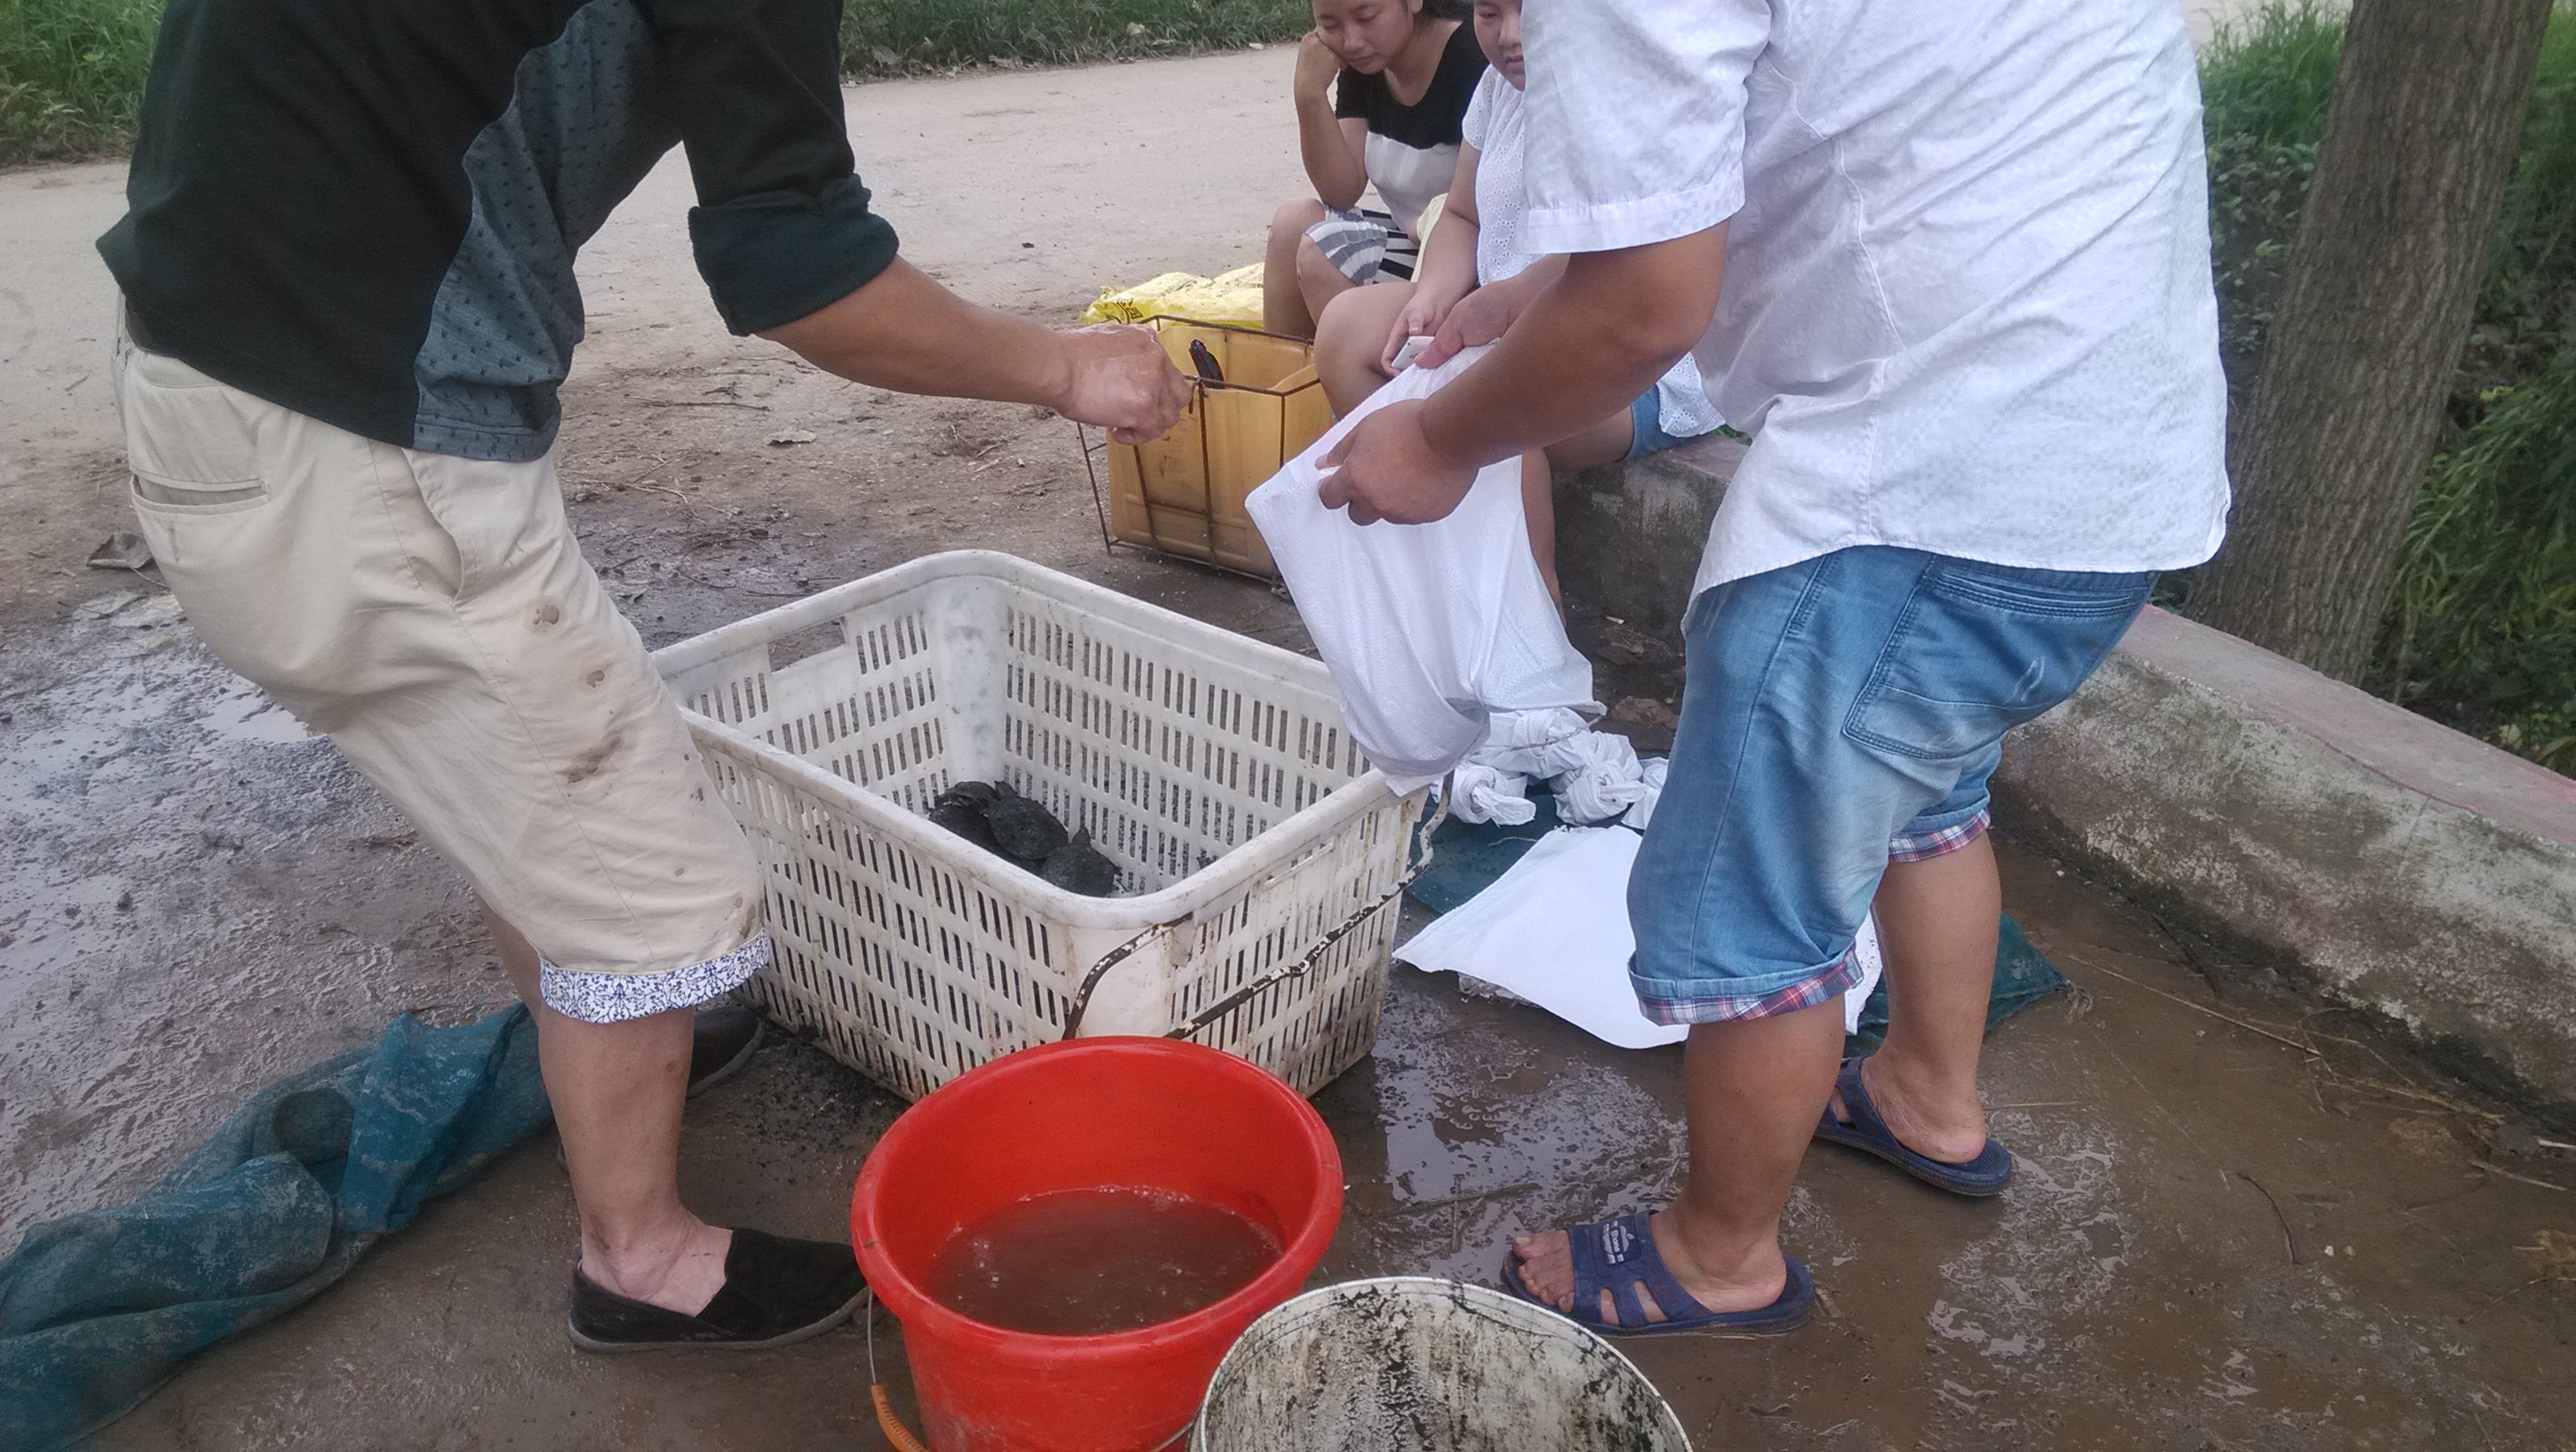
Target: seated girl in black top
[[1407, 69]]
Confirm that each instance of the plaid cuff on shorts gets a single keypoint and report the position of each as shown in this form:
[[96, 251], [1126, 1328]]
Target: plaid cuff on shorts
[[617, 997], [1831, 984], [1915, 847]]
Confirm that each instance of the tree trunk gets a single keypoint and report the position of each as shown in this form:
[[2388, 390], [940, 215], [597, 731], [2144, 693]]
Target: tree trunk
[[2420, 137]]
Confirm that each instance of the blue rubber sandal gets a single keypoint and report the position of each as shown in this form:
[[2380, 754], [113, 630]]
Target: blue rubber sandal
[[1983, 1176], [1615, 1255]]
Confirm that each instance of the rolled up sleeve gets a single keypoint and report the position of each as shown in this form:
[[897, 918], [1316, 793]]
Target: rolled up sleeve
[[1636, 119], [782, 226]]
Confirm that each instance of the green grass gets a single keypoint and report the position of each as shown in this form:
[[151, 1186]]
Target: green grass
[[2482, 630], [894, 37], [2532, 284], [71, 73]]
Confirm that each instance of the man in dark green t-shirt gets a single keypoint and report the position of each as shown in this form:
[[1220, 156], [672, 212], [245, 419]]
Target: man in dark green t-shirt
[[349, 302]]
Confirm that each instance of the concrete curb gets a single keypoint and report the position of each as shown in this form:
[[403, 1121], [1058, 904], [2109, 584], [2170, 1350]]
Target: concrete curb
[[2399, 866], [2390, 863], [1628, 535]]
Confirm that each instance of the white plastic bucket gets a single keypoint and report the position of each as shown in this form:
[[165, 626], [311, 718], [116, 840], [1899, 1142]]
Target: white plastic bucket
[[1412, 1364]]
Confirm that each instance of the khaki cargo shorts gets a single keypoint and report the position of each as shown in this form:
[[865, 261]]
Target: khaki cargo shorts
[[434, 617]]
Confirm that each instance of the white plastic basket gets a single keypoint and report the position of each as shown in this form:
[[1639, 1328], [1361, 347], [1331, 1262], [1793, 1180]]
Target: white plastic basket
[[1264, 855]]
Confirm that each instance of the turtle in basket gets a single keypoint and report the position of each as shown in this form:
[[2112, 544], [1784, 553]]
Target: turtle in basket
[[998, 819]]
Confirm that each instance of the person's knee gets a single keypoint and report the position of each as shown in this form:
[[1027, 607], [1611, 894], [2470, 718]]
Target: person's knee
[[1348, 340], [1284, 306], [1606, 442], [1321, 281], [1293, 218]]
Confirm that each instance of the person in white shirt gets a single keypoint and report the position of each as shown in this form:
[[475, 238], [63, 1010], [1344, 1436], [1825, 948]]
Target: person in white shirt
[[1949, 266], [1473, 260]]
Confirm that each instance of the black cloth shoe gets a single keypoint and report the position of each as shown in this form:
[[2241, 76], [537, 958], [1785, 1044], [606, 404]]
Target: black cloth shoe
[[726, 1035], [777, 1292]]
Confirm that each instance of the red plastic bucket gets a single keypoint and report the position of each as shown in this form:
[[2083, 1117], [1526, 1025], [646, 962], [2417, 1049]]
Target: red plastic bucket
[[1157, 1114]]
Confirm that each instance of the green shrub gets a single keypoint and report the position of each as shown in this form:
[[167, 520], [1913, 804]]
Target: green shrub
[[893, 37], [2481, 626], [71, 74], [2530, 289], [2264, 83], [2481, 631]]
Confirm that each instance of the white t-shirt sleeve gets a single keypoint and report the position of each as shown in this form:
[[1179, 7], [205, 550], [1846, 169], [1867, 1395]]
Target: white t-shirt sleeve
[[1636, 119], [1478, 123]]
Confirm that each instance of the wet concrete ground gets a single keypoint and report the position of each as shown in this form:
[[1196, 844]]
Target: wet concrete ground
[[2217, 1240]]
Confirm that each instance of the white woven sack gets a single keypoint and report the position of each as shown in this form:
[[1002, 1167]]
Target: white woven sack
[[1429, 628]]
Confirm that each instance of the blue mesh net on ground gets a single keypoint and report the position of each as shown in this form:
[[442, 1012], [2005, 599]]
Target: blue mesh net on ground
[[99, 1308]]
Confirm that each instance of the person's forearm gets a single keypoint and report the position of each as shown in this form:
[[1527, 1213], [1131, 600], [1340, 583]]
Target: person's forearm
[[1339, 177], [1449, 259], [1610, 325], [905, 332], [1525, 286]]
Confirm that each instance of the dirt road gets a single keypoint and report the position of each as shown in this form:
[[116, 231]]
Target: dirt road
[[1027, 191], [2218, 1241]]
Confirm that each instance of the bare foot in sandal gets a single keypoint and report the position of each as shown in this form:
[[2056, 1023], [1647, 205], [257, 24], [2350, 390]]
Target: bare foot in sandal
[[1620, 1278]]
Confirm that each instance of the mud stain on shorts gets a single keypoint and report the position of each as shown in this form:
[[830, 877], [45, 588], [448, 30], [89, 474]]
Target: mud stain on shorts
[[592, 760]]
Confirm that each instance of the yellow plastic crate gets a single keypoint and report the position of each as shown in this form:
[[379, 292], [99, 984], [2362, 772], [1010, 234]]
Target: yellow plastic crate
[[1182, 494]]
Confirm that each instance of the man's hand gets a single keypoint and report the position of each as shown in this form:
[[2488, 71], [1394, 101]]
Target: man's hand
[[1386, 469], [1479, 318], [1316, 67], [904, 331], [1119, 377]]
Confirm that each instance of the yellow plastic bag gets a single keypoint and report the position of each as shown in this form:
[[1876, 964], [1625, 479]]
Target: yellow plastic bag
[[1232, 298]]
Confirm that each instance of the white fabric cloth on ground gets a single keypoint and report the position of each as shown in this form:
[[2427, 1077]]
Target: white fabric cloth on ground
[[1554, 930], [1429, 629], [1595, 774], [1481, 793], [1642, 815]]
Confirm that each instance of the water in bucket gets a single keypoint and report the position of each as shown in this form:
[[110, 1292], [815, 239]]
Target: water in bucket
[[1087, 1262]]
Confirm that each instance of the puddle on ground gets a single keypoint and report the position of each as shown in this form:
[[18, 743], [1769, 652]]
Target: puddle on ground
[[2133, 1288], [248, 715]]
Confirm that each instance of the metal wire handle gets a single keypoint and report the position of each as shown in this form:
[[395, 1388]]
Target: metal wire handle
[[1299, 970], [1421, 854], [1100, 970], [902, 1436]]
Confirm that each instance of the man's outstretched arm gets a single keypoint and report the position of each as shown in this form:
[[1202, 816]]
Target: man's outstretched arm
[[903, 331], [1586, 346], [790, 250]]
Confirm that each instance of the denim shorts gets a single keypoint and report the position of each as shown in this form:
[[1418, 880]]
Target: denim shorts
[[1840, 714], [1646, 424]]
